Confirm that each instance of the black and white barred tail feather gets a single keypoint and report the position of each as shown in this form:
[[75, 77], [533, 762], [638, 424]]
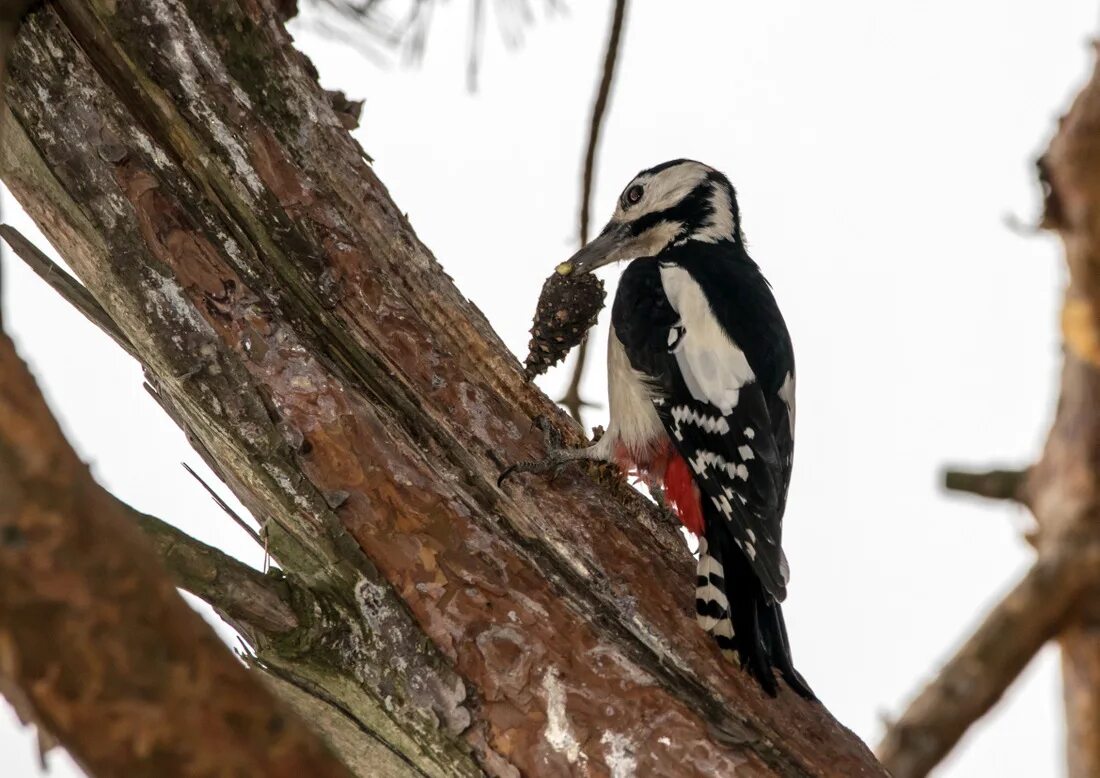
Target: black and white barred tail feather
[[744, 620]]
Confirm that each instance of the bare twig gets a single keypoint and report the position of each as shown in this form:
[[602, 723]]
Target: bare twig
[[225, 506], [976, 677], [477, 28], [408, 32], [572, 399], [993, 484], [599, 108], [65, 285]]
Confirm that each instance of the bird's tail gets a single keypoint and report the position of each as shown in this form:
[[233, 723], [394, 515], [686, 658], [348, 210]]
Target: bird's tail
[[745, 621]]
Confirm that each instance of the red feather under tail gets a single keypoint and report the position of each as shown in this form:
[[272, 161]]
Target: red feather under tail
[[683, 494], [661, 465]]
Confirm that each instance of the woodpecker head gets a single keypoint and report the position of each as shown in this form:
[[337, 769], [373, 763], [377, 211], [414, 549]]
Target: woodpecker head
[[669, 204]]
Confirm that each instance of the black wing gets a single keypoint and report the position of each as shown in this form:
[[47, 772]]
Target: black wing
[[742, 301], [715, 393]]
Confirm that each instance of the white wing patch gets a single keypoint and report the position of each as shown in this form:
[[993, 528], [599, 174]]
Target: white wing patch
[[713, 367]]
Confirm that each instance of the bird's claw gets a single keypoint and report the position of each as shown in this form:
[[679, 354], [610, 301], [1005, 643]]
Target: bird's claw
[[555, 461]]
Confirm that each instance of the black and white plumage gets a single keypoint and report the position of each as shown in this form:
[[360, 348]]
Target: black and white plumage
[[701, 389]]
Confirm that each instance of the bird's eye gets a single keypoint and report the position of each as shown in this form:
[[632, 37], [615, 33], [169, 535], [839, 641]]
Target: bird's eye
[[633, 194]]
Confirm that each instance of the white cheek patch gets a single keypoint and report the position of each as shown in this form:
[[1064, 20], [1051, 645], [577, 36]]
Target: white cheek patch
[[663, 190], [651, 242], [720, 225]]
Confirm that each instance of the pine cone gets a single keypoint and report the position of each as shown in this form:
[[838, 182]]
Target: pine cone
[[567, 309]]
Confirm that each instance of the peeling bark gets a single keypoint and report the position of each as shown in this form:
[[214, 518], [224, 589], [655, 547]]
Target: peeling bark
[[182, 158]]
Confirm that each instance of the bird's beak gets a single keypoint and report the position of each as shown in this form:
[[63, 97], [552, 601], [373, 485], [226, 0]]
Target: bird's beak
[[614, 243]]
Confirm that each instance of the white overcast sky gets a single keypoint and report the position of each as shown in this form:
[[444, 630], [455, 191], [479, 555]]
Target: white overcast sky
[[877, 149]]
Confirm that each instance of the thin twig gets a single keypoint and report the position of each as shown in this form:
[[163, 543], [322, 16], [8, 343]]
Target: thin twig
[[65, 285], [572, 399], [993, 484], [225, 507], [477, 26]]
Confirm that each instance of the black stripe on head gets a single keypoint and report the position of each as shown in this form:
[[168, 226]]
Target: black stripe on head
[[719, 180], [666, 165], [692, 212]]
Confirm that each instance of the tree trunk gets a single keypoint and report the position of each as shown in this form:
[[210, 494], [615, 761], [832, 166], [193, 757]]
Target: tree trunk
[[1064, 487], [182, 158], [1059, 598]]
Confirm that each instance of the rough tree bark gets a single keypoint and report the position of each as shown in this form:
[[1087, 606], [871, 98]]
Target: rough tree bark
[[96, 645], [1058, 598], [182, 158]]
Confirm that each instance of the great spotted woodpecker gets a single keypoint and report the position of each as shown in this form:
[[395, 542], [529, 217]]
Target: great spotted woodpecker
[[701, 393]]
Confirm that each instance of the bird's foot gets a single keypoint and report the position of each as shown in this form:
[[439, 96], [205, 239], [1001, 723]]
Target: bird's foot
[[557, 455]]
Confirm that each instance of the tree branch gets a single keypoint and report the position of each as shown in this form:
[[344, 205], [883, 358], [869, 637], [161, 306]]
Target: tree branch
[[193, 174], [11, 16], [990, 660], [1065, 488], [260, 601], [572, 397], [288, 626], [1063, 491], [78, 584], [71, 290], [993, 484]]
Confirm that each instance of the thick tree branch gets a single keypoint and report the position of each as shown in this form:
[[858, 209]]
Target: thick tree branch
[[1062, 490], [244, 595], [79, 584], [184, 161], [1065, 488], [572, 397], [990, 660], [1081, 674], [289, 626], [11, 16]]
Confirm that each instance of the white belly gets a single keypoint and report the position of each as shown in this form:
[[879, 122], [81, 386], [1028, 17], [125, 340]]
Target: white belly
[[634, 422]]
